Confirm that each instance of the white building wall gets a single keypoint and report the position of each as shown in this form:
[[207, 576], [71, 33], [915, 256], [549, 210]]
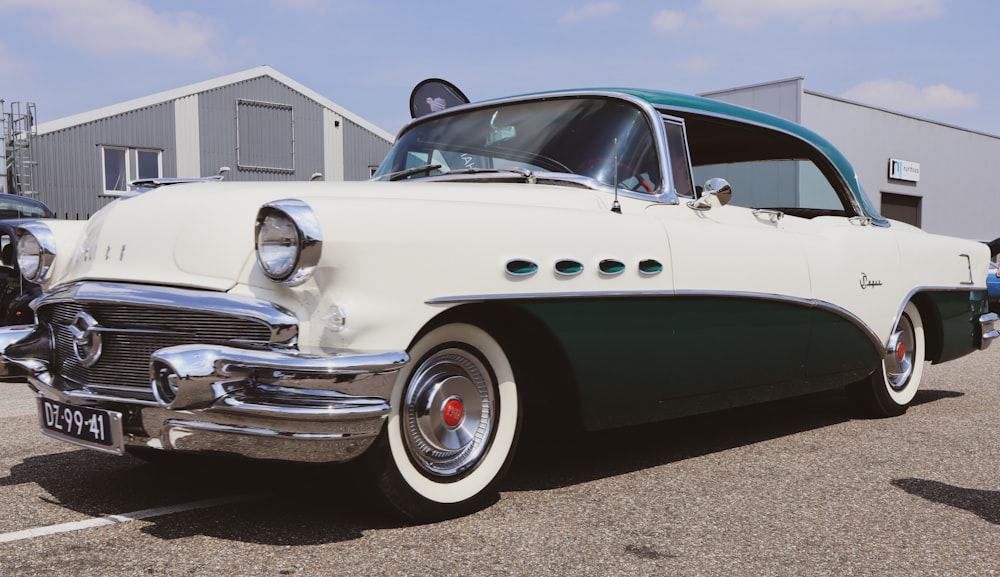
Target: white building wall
[[954, 199], [333, 145], [782, 98], [186, 125]]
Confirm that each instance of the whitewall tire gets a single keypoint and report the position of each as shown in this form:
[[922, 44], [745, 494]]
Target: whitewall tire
[[453, 427], [891, 390]]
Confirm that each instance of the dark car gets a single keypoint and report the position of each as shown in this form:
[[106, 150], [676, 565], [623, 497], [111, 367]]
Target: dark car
[[15, 291], [14, 206]]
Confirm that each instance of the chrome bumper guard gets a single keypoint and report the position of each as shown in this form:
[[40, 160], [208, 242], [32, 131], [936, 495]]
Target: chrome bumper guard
[[8, 335], [287, 405], [988, 330]]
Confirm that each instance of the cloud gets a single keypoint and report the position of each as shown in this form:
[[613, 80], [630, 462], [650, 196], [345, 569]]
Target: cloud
[[696, 64], [10, 65], [592, 11], [668, 21], [318, 6], [749, 13], [113, 26], [904, 96]]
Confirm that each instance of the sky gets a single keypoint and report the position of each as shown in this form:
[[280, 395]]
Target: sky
[[934, 59]]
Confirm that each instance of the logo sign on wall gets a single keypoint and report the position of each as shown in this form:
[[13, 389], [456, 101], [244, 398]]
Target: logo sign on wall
[[904, 170]]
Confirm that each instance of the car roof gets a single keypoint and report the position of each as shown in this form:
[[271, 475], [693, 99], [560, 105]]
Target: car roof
[[15, 206]]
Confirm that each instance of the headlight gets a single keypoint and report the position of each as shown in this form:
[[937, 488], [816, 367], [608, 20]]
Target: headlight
[[36, 249], [289, 241]]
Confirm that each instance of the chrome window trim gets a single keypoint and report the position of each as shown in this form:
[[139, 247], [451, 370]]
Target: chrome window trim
[[844, 185]]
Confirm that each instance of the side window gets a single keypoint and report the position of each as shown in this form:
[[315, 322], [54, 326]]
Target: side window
[[680, 163], [787, 184], [766, 168]]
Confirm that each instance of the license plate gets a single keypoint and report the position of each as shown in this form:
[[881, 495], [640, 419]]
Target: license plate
[[85, 426]]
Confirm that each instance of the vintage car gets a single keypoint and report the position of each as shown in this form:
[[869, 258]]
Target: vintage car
[[536, 262], [15, 291]]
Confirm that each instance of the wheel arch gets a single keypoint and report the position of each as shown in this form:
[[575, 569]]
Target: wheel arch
[[543, 371], [949, 319], [930, 316]]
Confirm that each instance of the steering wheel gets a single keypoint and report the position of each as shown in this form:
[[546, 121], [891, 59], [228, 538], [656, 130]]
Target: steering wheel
[[587, 167]]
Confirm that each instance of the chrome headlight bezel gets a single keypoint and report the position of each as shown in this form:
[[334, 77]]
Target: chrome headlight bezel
[[287, 257], [36, 251]]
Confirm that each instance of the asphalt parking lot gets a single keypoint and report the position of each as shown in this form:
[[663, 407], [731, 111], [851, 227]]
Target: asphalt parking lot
[[793, 488]]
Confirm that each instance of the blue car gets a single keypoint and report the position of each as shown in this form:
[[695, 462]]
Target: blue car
[[993, 277]]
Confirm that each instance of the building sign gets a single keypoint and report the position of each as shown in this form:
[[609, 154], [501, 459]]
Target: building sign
[[904, 170]]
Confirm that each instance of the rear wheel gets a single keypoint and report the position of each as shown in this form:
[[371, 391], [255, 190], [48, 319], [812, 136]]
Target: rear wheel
[[453, 427], [889, 391]]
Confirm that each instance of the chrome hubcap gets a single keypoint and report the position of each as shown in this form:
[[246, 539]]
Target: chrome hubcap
[[447, 412], [899, 355]]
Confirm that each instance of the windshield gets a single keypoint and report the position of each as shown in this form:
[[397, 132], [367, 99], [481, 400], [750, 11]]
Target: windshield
[[12, 206], [601, 138]]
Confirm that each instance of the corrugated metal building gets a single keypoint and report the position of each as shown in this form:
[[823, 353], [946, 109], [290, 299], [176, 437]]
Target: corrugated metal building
[[259, 123], [918, 171]]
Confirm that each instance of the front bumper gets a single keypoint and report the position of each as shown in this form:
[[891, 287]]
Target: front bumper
[[266, 403], [306, 414]]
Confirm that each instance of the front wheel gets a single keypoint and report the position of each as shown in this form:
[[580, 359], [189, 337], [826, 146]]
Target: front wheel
[[453, 426], [889, 391]]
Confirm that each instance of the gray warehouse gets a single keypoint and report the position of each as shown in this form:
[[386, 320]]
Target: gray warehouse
[[258, 123], [915, 170]]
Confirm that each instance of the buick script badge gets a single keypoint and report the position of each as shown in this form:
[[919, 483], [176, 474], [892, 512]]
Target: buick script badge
[[866, 282]]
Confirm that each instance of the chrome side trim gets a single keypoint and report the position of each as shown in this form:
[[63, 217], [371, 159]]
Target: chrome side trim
[[284, 325], [805, 302]]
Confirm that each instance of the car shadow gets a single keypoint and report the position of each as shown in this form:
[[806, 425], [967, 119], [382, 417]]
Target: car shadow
[[985, 504], [572, 459], [301, 504]]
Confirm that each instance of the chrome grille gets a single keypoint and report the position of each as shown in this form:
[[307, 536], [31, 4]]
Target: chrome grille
[[131, 333]]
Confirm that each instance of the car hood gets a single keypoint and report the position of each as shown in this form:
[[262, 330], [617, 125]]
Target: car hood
[[202, 234]]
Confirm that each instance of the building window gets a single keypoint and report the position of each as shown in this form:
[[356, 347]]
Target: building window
[[265, 136], [901, 207], [116, 173], [148, 162], [120, 164]]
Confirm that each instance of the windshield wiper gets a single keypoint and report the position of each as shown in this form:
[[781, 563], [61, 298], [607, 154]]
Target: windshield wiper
[[527, 174], [401, 174]]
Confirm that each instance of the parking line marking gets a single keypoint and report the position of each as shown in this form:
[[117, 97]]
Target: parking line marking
[[125, 517]]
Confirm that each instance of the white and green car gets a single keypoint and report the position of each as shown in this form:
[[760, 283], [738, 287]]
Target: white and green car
[[550, 260]]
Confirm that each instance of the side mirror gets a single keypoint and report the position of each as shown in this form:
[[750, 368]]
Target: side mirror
[[716, 192]]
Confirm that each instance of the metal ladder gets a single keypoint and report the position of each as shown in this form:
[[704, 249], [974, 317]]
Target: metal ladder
[[18, 136]]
